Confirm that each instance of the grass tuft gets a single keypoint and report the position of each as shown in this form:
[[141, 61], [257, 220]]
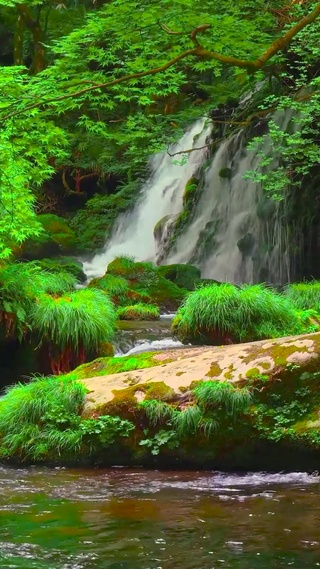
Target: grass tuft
[[220, 314], [139, 312]]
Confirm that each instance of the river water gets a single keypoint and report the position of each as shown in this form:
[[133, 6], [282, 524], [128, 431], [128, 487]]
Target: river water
[[138, 519]]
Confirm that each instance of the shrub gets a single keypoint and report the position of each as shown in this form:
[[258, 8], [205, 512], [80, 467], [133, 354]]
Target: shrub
[[304, 296], [42, 421], [138, 312], [219, 314], [21, 284], [73, 324]]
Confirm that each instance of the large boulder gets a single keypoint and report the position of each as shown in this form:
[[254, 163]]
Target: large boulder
[[254, 405]]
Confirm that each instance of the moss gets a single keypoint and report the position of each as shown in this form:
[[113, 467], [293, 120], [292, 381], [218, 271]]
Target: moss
[[265, 365], [108, 366], [190, 190], [68, 264], [159, 390], [225, 173], [180, 373], [229, 374], [183, 275], [106, 350], [58, 228], [215, 370], [252, 373], [279, 353]]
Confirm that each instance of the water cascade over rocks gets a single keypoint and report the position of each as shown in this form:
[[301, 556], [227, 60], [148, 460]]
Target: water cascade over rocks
[[161, 196], [233, 233]]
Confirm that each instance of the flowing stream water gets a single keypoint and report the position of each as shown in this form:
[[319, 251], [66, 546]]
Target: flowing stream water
[[137, 519]]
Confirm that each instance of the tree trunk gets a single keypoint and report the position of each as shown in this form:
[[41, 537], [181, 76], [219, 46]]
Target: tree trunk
[[34, 27]]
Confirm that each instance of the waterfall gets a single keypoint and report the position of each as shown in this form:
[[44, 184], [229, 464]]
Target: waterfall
[[161, 196], [236, 234]]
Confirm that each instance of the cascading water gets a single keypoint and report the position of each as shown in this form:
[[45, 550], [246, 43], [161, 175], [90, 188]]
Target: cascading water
[[235, 234], [161, 196]]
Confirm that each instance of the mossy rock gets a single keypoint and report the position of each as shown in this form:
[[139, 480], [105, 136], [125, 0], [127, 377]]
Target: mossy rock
[[68, 264], [144, 279], [60, 231], [160, 225], [56, 238], [110, 365], [39, 247], [225, 173], [190, 190], [183, 275]]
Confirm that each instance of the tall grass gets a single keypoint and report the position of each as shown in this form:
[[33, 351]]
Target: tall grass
[[139, 312], [304, 296], [222, 394], [29, 415], [75, 323], [21, 284], [225, 313]]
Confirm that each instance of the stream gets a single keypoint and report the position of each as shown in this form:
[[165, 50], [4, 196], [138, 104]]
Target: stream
[[138, 519]]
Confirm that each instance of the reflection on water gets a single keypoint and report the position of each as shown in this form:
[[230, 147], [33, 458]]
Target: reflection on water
[[134, 519]]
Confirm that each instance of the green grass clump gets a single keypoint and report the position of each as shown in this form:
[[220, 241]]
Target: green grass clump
[[74, 324], [41, 422], [224, 313], [139, 312], [304, 296], [27, 414], [107, 366], [113, 285], [222, 394], [21, 285]]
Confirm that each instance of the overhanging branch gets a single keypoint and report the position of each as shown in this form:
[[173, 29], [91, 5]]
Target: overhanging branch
[[198, 51]]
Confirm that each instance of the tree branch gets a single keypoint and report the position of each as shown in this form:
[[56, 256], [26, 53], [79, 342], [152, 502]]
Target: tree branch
[[197, 51]]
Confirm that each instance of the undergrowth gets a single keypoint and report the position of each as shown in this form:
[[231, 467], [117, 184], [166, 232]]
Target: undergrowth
[[41, 421]]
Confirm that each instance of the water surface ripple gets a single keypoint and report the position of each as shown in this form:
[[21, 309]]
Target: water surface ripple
[[137, 519]]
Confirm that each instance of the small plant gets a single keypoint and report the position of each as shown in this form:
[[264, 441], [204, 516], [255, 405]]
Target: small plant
[[157, 411], [223, 395], [161, 439], [139, 312]]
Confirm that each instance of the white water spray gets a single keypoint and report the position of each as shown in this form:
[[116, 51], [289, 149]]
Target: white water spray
[[161, 196]]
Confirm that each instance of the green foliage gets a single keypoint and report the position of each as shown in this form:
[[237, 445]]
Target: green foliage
[[304, 295], [157, 411], [41, 421], [295, 145], [138, 312], [161, 439], [81, 319], [223, 395], [21, 286], [26, 410], [223, 313]]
